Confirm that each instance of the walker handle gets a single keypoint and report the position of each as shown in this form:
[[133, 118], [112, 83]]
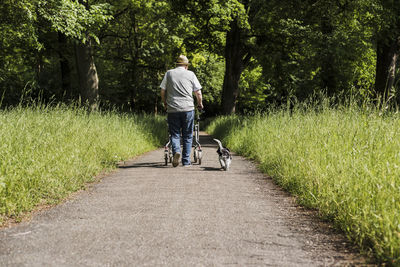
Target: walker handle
[[200, 111]]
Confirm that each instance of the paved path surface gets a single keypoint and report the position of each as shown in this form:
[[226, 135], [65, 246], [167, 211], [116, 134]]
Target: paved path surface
[[146, 214]]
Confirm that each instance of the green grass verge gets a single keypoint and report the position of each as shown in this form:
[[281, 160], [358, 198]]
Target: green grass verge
[[47, 153], [343, 162]]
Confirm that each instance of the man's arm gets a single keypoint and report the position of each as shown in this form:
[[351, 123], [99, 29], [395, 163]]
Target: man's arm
[[163, 98], [199, 98]]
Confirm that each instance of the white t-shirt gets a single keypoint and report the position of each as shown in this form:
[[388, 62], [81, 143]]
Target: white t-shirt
[[180, 85]]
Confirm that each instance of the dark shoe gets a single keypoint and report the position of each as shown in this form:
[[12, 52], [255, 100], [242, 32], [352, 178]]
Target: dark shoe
[[175, 160]]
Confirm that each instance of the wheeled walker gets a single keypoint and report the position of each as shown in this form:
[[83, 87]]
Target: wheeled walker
[[168, 149], [197, 152]]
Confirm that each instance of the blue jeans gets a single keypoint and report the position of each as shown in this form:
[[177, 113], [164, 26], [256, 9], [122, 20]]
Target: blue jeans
[[181, 122]]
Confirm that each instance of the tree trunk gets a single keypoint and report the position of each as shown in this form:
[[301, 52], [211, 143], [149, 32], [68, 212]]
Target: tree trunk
[[64, 64], [87, 74], [328, 70], [387, 55], [236, 59], [134, 46]]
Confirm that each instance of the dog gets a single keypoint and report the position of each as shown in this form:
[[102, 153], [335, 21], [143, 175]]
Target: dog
[[225, 157]]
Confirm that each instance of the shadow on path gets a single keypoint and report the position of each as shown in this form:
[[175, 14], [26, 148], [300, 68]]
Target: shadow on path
[[205, 141], [211, 169], [128, 165]]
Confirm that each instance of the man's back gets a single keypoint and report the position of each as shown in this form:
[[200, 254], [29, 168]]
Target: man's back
[[180, 85]]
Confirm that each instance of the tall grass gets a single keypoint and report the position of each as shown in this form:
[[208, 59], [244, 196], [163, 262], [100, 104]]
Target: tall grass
[[344, 162], [46, 153]]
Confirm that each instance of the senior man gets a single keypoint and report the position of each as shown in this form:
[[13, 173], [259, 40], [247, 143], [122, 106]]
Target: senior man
[[177, 90]]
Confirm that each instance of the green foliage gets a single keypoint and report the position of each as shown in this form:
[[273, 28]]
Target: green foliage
[[74, 19], [324, 45], [210, 72], [18, 43], [131, 58], [342, 162], [253, 90], [209, 20], [47, 153]]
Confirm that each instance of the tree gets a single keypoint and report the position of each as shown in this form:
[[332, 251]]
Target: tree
[[271, 53], [87, 73], [221, 26], [388, 48], [324, 45], [18, 47], [81, 22], [65, 67], [237, 57], [137, 46]]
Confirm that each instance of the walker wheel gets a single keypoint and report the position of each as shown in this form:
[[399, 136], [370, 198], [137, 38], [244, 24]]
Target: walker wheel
[[200, 156]]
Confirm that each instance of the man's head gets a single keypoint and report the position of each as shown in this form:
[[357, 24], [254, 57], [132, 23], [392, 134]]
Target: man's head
[[182, 61]]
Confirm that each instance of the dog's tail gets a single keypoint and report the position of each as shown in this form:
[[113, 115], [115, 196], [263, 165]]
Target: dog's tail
[[219, 144]]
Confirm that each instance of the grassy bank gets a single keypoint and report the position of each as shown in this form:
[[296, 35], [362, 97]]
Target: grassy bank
[[343, 162], [47, 153]]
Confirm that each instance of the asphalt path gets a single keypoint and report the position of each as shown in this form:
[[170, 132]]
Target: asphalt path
[[148, 214]]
